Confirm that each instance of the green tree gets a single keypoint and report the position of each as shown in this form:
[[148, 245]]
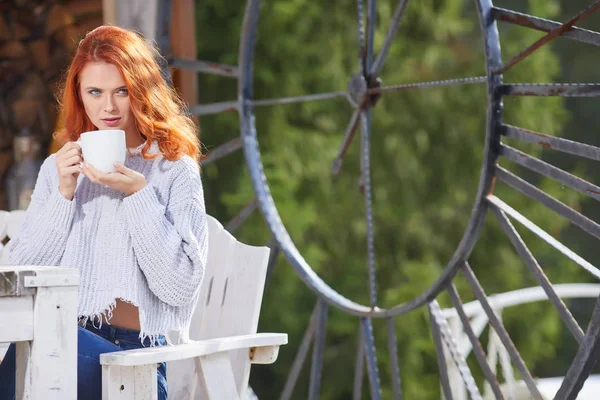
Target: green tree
[[426, 157]]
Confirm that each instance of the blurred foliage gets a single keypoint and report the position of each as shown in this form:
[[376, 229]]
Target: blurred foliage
[[427, 150]]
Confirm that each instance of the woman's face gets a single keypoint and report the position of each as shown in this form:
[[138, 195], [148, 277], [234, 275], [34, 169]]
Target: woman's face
[[105, 97]]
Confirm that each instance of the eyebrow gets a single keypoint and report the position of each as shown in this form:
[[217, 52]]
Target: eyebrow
[[94, 87]]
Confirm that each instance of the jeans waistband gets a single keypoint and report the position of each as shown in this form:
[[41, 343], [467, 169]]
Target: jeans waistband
[[115, 334]]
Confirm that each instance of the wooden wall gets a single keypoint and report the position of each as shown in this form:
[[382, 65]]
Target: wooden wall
[[37, 40]]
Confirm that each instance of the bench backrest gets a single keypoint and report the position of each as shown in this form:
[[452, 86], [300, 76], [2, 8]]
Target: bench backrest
[[9, 224], [229, 305]]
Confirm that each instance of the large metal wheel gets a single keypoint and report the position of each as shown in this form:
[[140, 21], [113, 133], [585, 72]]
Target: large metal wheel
[[363, 91]]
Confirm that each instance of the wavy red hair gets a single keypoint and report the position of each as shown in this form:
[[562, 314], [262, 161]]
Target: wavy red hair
[[159, 111]]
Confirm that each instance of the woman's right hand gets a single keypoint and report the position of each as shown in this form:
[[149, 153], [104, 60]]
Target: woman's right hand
[[68, 159]]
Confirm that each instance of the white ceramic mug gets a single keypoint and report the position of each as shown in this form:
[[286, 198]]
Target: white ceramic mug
[[103, 148]]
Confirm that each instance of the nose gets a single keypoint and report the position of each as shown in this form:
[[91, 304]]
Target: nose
[[109, 104]]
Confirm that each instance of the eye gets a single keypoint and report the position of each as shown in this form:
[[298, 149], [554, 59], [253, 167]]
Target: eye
[[123, 91], [94, 92]]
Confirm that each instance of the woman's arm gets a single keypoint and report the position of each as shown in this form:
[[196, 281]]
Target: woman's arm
[[171, 244], [42, 236]]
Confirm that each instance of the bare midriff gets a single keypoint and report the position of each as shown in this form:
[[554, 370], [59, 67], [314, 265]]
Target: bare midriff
[[124, 315]]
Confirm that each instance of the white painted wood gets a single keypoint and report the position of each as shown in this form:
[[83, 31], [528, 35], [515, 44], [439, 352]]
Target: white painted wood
[[3, 224], [23, 372], [19, 311], [153, 355], [217, 377], [9, 225], [223, 326], [3, 350], [42, 325], [3, 255], [229, 305], [264, 355], [14, 220], [129, 383], [48, 281], [54, 346], [496, 352]]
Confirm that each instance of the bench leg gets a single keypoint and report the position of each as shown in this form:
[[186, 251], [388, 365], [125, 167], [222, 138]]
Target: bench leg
[[129, 383], [216, 377]]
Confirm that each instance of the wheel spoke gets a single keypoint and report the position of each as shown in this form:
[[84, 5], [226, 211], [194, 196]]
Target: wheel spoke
[[371, 22], [362, 57], [501, 331], [206, 67], [346, 141], [426, 85], [297, 99], [389, 37], [551, 89], [242, 216], [544, 25], [222, 151], [550, 171], [318, 349], [553, 34], [439, 323], [371, 357], [552, 142], [365, 125], [273, 256], [298, 362], [359, 367], [585, 359], [536, 194], [441, 357], [538, 273], [214, 108], [394, 362], [476, 344]]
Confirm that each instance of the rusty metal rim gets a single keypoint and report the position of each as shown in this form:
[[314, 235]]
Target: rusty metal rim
[[269, 210]]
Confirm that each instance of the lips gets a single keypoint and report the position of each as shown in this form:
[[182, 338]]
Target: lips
[[111, 121]]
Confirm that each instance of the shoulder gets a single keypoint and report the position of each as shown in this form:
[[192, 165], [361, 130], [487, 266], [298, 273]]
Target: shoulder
[[184, 167], [49, 166], [181, 175]]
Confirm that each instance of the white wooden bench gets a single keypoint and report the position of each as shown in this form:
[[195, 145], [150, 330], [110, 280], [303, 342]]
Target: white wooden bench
[[214, 360], [9, 223]]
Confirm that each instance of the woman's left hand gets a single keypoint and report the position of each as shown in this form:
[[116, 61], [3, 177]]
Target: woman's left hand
[[125, 180]]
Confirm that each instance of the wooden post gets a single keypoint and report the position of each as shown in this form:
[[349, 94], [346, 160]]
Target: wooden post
[[142, 15], [132, 14], [183, 45]]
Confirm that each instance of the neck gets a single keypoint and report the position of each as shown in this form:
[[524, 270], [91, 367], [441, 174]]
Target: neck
[[133, 139]]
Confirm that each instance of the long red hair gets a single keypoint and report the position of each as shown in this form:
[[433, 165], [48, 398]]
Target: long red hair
[[159, 111]]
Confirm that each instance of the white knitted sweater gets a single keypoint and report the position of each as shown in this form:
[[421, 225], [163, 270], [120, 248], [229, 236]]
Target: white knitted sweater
[[148, 249]]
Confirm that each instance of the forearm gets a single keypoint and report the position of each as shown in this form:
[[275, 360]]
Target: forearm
[[172, 255], [42, 237]]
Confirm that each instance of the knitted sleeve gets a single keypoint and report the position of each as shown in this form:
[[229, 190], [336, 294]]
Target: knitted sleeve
[[42, 236], [171, 242]]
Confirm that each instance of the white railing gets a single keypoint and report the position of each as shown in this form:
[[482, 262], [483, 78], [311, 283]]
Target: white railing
[[496, 352]]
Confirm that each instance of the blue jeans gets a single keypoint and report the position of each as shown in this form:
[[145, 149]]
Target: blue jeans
[[91, 342]]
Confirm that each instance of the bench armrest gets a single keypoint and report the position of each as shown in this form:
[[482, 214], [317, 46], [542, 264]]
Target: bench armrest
[[153, 355]]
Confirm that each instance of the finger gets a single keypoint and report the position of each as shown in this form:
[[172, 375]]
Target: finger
[[99, 176], [75, 169], [124, 170], [76, 159], [113, 180], [60, 158], [87, 171], [70, 146]]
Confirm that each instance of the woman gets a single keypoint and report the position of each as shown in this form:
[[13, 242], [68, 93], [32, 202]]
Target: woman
[[137, 236]]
